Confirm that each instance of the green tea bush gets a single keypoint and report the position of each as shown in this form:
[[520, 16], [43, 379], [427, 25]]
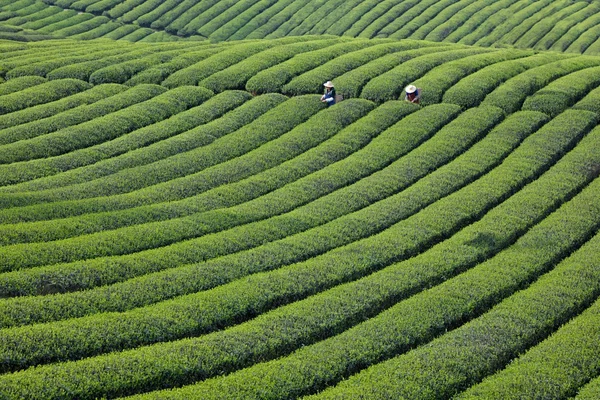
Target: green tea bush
[[273, 79], [486, 343], [560, 29], [354, 21], [102, 6], [312, 81], [391, 20], [445, 13], [541, 34], [165, 19], [121, 122], [140, 10], [147, 19], [20, 83], [31, 114], [563, 92], [487, 26], [509, 21], [98, 32], [583, 41], [258, 26], [306, 169], [533, 24], [467, 22], [330, 21], [115, 99], [122, 72], [282, 17], [121, 32], [225, 13], [352, 82], [123, 7], [211, 9], [158, 73], [590, 102], [511, 94], [174, 135], [590, 391], [186, 164], [441, 78], [304, 325], [433, 117], [69, 22], [232, 55], [49, 20], [472, 90], [567, 359], [40, 94], [45, 65], [390, 85], [82, 27], [138, 35], [236, 76], [416, 17]]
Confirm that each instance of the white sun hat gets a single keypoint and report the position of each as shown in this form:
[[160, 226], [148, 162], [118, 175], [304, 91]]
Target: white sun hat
[[328, 84], [411, 89]]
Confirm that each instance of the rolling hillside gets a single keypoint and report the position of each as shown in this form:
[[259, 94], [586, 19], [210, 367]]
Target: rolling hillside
[[182, 218]]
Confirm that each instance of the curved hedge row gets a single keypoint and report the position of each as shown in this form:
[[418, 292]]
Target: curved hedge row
[[254, 334], [40, 94]]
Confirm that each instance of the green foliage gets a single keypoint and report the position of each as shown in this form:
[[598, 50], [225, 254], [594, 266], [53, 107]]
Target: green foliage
[[511, 95], [312, 81], [472, 90], [390, 85], [236, 76], [567, 359], [557, 96], [42, 111], [21, 83], [39, 94], [273, 79]]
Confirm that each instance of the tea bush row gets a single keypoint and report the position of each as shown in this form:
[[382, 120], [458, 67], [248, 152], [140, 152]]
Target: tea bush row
[[511, 21], [511, 95], [535, 36], [273, 79], [261, 337], [40, 94], [563, 92], [352, 82], [469, 34], [472, 90], [568, 358], [46, 110], [263, 23], [21, 83], [69, 152], [437, 370], [312, 81], [236, 76], [179, 254], [273, 153], [401, 327], [289, 197], [23, 151], [115, 97], [232, 55], [177, 134], [210, 172], [467, 21], [441, 78], [390, 85]]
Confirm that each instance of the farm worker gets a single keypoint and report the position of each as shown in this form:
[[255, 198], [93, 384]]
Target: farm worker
[[412, 94], [329, 96]]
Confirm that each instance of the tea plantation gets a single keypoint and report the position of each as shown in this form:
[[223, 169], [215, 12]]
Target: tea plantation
[[181, 217]]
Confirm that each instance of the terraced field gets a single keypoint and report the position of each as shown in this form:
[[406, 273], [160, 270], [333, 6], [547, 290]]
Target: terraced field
[[186, 220]]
